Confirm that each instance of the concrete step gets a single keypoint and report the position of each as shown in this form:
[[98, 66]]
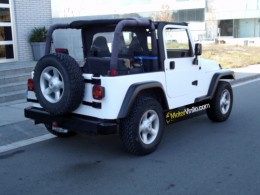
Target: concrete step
[[17, 65], [15, 78], [15, 71], [12, 87], [12, 96]]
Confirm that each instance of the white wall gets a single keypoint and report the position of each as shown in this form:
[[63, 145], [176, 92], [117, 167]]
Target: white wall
[[234, 9], [249, 28], [29, 14]]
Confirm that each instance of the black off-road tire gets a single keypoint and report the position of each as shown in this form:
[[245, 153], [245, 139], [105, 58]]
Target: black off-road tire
[[219, 109], [60, 134], [130, 126], [70, 73]]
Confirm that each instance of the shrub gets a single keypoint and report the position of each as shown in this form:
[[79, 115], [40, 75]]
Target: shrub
[[38, 35]]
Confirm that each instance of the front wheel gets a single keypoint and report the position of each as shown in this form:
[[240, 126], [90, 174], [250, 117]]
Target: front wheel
[[221, 104], [142, 130]]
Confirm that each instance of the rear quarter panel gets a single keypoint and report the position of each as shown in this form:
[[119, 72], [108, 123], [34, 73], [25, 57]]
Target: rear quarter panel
[[115, 91]]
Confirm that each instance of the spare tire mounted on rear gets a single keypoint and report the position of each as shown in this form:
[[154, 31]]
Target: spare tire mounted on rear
[[58, 83]]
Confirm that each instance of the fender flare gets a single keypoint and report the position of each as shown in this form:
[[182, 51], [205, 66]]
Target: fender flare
[[133, 91], [228, 74]]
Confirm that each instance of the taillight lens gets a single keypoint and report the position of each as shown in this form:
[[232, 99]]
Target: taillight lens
[[30, 85], [62, 50], [98, 92], [113, 73]]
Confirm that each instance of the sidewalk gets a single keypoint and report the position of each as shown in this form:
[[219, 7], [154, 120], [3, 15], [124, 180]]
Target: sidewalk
[[13, 112], [247, 73]]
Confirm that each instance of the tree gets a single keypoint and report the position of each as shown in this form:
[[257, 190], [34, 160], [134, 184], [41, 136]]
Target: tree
[[163, 15]]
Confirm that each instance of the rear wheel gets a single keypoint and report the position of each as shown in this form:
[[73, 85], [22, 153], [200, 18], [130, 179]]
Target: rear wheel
[[141, 132], [221, 104]]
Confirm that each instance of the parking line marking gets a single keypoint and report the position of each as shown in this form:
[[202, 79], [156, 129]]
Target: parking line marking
[[27, 142], [245, 83]]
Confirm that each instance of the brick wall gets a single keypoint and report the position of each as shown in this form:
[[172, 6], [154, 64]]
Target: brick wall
[[29, 14]]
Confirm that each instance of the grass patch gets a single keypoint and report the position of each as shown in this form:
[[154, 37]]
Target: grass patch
[[231, 56]]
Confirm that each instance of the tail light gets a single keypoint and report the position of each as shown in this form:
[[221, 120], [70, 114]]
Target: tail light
[[55, 124], [113, 73], [62, 50], [30, 85], [98, 92]]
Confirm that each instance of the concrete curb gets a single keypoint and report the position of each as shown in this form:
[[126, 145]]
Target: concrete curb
[[244, 79]]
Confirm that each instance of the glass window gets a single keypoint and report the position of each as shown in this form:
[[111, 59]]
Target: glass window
[[5, 15], [72, 43], [127, 37], [177, 43], [226, 27], [194, 15], [6, 52], [4, 1], [6, 36], [5, 33]]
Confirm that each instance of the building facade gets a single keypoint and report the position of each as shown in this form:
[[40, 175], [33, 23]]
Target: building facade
[[208, 19], [232, 18], [17, 19]]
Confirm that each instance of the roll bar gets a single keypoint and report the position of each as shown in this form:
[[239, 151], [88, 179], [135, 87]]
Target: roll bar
[[49, 35], [119, 27], [120, 24]]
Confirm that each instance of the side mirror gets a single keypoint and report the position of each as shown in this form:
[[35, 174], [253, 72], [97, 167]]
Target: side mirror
[[198, 49]]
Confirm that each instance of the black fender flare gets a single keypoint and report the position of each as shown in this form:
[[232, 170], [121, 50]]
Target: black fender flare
[[133, 91], [228, 74]]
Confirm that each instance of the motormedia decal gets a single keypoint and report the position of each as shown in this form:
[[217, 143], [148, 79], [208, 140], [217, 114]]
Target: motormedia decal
[[176, 114]]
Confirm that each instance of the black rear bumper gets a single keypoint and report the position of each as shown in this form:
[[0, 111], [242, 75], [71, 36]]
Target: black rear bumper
[[73, 122]]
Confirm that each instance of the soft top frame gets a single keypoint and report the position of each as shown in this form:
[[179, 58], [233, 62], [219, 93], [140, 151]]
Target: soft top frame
[[119, 24]]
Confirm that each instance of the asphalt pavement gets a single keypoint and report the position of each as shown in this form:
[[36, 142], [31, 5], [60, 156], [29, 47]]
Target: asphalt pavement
[[12, 113], [198, 157]]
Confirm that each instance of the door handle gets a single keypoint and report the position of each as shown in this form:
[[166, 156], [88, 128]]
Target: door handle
[[195, 82], [172, 65]]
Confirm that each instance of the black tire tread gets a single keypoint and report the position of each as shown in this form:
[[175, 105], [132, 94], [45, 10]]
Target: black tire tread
[[76, 83], [128, 127], [214, 112]]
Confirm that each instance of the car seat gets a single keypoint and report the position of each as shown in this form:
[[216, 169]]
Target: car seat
[[99, 47]]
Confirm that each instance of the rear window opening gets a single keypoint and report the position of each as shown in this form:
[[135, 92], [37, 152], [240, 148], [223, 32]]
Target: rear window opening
[[134, 54]]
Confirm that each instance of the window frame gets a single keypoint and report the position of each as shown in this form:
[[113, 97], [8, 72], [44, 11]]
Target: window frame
[[191, 46], [13, 30]]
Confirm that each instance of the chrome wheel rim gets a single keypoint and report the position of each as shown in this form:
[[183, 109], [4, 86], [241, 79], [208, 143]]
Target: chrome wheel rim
[[149, 126], [52, 84], [225, 101]]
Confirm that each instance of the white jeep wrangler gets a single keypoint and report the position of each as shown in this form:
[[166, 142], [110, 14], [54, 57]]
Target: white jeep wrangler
[[137, 77]]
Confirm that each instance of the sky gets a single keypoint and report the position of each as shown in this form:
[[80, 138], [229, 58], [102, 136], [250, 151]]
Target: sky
[[61, 8], [70, 8]]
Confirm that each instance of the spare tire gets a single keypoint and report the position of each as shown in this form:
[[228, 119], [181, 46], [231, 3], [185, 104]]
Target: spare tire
[[58, 83]]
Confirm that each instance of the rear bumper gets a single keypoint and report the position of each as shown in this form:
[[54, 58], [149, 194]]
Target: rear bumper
[[73, 122]]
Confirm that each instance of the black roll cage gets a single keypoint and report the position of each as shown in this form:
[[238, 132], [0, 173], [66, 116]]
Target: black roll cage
[[119, 25]]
